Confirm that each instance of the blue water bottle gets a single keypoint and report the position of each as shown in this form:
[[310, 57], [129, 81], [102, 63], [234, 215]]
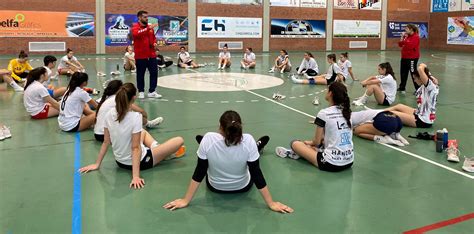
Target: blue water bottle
[[445, 138]]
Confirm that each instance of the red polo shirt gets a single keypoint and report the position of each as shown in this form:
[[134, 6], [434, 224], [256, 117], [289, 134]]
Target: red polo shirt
[[410, 47], [143, 40]]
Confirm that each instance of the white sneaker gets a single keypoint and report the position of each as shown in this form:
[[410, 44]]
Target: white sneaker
[[6, 132], [316, 101], [155, 122], [2, 137], [399, 137], [271, 70], [100, 74], [133, 71], [468, 164], [285, 153], [282, 71], [95, 92], [295, 80], [115, 73], [387, 140], [360, 102], [162, 66], [17, 88], [452, 151], [141, 95], [277, 96], [154, 95]]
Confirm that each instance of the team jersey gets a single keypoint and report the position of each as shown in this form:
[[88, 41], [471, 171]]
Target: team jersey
[[309, 64], [17, 68], [224, 55], [249, 57], [338, 147], [184, 57], [332, 71], [282, 58], [389, 86], [345, 67], [426, 98], [128, 56], [63, 62]]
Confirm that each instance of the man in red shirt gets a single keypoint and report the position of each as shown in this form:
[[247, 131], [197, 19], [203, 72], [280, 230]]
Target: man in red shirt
[[144, 42], [410, 44]]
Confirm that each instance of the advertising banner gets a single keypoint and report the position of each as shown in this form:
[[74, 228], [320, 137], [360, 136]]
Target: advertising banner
[[467, 5], [229, 27], [346, 4], [287, 28], [235, 2], [370, 4], [395, 29], [356, 28], [461, 30], [285, 3]]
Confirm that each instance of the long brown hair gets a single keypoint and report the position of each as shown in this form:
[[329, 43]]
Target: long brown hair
[[33, 75], [123, 99], [388, 69], [413, 27], [111, 89], [231, 126], [341, 99]]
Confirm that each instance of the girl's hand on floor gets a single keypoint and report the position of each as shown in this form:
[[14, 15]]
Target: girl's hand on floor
[[89, 168], [280, 207], [176, 204], [137, 183]]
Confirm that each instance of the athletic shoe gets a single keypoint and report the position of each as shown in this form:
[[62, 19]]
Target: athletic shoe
[[101, 74], [141, 95], [17, 88], [361, 101], [316, 100], [282, 71], [452, 151], [295, 80], [399, 137], [162, 66], [285, 153], [262, 142], [402, 91], [95, 92], [180, 153], [155, 122], [115, 73], [154, 95], [271, 70], [134, 71], [6, 132], [2, 137], [468, 164], [387, 140], [278, 97], [199, 138]]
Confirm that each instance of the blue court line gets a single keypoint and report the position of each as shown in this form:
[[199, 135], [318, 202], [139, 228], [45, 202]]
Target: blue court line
[[76, 193]]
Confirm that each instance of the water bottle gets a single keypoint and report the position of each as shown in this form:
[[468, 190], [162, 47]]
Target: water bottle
[[439, 141], [445, 138], [118, 68]]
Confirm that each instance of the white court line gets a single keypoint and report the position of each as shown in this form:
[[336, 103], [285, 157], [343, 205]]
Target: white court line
[[437, 57], [392, 147]]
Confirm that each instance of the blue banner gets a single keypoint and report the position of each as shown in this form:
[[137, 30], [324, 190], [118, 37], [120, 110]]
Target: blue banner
[[440, 5], [289, 28], [172, 30], [395, 29]]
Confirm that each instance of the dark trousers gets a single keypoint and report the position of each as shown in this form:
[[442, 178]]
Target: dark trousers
[[142, 65], [166, 63], [407, 66]]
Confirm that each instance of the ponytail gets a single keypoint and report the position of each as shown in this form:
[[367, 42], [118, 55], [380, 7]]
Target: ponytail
[[309, 54], [111, 89], [77, 79], [332, 57], [388, 69], [341, 99], [123, 99], [22, 55], [231, 126], [33, 75], [345, 54]]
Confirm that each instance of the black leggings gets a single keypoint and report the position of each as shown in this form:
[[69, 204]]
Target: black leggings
[[166, 63], [407, 66], [309, 72], [243, 190]]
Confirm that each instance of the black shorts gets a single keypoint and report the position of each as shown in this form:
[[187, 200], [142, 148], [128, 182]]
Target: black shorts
[[325, 166], [146, 163], [330, 81], [243, 190], [421, 124], [23, 75], [99, 137], [385, 101], [387, 122], [189, 63], [75, 129]]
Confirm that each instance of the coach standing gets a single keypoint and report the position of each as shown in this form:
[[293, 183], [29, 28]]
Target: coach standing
[[144, 42], [410, 44]]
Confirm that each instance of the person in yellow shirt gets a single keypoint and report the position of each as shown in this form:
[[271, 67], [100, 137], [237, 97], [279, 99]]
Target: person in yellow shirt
[[20, 67]]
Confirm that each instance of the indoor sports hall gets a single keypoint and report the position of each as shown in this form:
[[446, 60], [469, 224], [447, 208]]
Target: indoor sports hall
[[317, 172]]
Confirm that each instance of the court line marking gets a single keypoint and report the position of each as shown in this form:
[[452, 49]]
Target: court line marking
[[392, 147], [76, 193], [441, 224], [438, 57]]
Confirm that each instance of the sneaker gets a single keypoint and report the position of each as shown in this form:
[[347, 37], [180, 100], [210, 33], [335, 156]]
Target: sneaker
[[18, 88], [452, 151], [262, 142], [134, 71], [101, 74], [316, 101], [141, 95], [155, 122], [95, 92], [2, 137], [285, 153], [277, 96], [6, 132], [361, 101], [399, 137], [468, 164], [295, 80], [282, 71], [154, 95], [115, 73], [402, 91], [199, 138], [387, 140], [271, 70], [162, 66], [180, 153]]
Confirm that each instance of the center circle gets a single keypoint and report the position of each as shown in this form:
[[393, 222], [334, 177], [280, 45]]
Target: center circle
[[218, 81]]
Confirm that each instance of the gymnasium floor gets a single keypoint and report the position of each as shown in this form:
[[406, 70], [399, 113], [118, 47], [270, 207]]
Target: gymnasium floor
[[389, 189]]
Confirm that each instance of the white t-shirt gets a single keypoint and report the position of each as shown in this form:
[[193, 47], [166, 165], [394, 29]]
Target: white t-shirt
[[184, 57], [389, 86], [363, 117], [64, 59], [333, 68], [309, 64], [225, 55], [338, 147], [121, 134], [345, 67], [108, 105], [228, 164], [249, 57], [71, 110], [426, 98], [127, 57], [281, 59], [33, 98], [49, 73]]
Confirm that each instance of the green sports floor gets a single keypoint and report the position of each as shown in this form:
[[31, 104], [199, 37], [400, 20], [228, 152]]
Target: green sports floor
[[388, 190]]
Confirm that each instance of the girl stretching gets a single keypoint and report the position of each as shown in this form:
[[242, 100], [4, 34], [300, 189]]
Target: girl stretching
[[107, 103], [249, 59], [425, 114], [346, 66], [382, 86], [331, 149], [184, 59], [308, 66], [69, 64], [134, 148], [230, 161], [20, 67], [129, 63], [37, 99], [333, 74], [74, 104], [282, 63], [224, 58]]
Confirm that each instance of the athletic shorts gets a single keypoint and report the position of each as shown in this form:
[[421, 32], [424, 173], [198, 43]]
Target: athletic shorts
[[43, 114], [325, 166], [421, 124], [146, 163], [387, 122], [330, 81], [189, 63], [242, 190], [99, 137], [385, 101], [75, 129]]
